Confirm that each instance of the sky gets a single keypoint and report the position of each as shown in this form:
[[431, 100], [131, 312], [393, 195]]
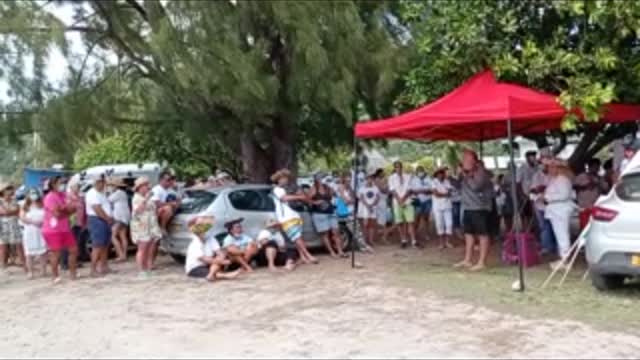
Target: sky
[[56, 70]]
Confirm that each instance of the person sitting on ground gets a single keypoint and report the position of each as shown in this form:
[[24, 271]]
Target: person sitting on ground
[[272, 243], [443, 208], [240, 247], [476, 190], [205, 259]]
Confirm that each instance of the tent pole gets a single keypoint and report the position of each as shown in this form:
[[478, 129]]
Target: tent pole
[[354, 167], [516, 213]]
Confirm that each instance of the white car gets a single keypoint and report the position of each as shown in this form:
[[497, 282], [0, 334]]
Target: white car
[[613, 238]]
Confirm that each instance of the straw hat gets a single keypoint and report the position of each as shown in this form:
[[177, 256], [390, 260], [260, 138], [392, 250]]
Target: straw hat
[[116, 181], [142, 180], [201, 225], [280, 174], [5, 185]]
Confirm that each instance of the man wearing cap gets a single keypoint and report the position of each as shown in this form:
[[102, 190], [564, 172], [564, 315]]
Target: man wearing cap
[[100, 221], [240, 247]]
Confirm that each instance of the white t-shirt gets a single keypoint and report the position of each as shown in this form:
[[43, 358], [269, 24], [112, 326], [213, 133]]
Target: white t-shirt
[[198, 249], [368, 194], [120, 203], [624, 163], [400, 185], [266, 235], [94, 197], [283, 212], [442, 203], [159, 193], [421, 184]]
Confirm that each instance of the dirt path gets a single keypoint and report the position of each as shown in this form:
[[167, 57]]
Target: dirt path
[[326, 311]]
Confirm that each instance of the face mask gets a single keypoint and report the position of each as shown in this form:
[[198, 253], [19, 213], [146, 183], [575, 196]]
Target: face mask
[[421, 174], [62, 187], [34, 197], [110, 189]]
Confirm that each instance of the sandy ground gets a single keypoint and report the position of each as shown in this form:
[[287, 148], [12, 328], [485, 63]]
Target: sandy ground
[[321, 311]]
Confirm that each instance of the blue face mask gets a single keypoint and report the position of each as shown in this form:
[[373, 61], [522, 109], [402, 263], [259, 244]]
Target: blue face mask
[[34, 197]]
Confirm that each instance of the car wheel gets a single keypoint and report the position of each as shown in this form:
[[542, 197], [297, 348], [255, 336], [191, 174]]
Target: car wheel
[[180, 259], [607, 282]]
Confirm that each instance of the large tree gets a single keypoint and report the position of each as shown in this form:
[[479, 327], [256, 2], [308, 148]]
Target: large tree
[[585, 51], [260, 79]]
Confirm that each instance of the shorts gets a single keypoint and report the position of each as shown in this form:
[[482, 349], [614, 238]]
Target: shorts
[[476, 222], [324, 222], [382, 215], [457, 216], [444, 221], [404, 214], [282, 256], [424, 207], [59, 240], [199, 272], [293, 229], [99, 232]]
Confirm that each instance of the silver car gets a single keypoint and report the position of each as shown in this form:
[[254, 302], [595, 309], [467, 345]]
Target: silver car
[[251, 202], [613, 238]]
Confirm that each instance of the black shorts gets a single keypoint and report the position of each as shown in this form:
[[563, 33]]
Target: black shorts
[[199, 272], [476, 222], [289, 253]]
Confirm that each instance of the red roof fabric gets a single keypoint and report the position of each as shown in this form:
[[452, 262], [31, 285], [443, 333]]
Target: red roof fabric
[[478, 110]]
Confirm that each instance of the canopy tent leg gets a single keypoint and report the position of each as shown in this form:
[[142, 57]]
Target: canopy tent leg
[[354, 167], [517, 225]]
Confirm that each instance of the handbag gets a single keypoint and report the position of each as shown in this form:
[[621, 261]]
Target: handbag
[[342, 209]]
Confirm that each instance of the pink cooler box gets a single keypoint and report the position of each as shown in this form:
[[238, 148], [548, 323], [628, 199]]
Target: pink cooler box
[[530, 253]]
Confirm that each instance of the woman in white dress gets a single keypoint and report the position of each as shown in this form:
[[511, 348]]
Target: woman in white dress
[[368, 197], [443, 207], [32, 216], [558, 198], [122, 215]]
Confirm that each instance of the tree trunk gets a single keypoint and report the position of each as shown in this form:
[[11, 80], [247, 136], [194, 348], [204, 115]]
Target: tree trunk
[[281, 153]]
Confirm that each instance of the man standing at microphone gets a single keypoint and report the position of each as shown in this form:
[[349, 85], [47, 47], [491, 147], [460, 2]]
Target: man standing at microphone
[[476, 192]]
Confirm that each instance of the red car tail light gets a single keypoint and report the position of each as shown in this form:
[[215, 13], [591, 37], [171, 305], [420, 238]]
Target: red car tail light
[[600, 213]]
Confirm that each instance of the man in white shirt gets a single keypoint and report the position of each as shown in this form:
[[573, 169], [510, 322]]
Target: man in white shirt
[[421, 188], [166, 207], [100, 220], [205, 259], [403, 210]]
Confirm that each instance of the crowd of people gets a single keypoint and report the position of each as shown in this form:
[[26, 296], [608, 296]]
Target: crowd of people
[[469, 202]]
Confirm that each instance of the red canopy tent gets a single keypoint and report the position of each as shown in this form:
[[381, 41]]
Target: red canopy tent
[[479, 109], [483, 109]]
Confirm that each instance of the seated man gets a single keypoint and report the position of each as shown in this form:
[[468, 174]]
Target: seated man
[[166, 202], [240, 247], [205, 259], [272, 243]]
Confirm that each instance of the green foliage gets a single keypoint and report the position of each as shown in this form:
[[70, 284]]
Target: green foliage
[[586, 51]]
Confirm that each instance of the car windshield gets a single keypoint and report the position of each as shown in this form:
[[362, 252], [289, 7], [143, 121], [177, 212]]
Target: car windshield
[[196, 201], [629, 187]]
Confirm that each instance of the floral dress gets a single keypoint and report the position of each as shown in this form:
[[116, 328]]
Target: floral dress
[[144, 225], [9, 225]]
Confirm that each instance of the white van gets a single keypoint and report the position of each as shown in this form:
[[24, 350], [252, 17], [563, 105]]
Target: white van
[[126, 171]]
